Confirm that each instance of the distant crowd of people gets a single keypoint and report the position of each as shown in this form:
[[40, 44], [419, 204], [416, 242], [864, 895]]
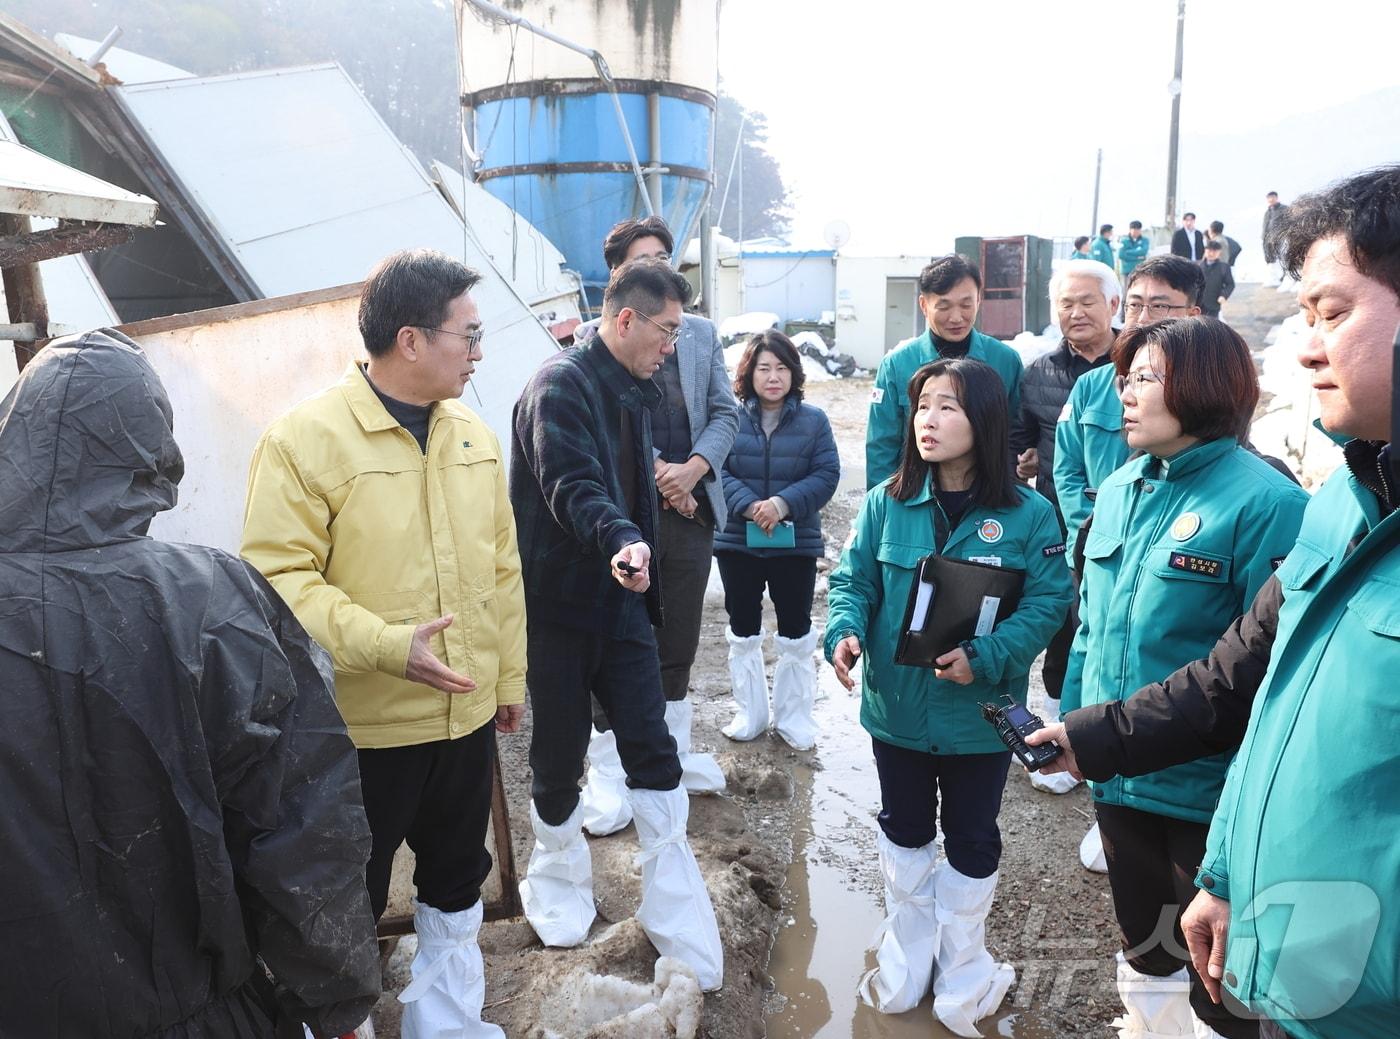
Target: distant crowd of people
[[211, 761]]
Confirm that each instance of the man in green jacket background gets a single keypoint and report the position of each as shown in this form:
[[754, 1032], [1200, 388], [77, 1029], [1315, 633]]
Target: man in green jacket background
[[950, 293], [1132, 250], [1102, 249]]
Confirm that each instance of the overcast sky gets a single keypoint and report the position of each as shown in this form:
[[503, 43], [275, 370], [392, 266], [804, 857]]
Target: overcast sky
[[915, 120]]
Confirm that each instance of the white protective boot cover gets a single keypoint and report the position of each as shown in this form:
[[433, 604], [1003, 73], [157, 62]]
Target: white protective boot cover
[[606, 808], [557, 891], [750, 686], [906, 940], [1157, 1008], [443, 1001], [676, 912], [968, 984], [1091, 853], [1059, 782], [794, 690], [700, 773]]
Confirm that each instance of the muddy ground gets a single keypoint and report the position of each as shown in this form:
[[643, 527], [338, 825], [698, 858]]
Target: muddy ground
[[1051, 918]]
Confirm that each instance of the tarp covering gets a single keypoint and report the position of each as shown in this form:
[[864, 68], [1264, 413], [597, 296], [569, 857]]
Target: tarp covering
[[180, 796]]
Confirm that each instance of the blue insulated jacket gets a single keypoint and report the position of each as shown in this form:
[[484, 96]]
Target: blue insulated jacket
[[1305, 843], [1089, 445], [798, 463], [1178, 549], [909, 706]]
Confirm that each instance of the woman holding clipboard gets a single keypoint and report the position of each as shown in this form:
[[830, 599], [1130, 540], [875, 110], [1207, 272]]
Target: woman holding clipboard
[[955, 496], [782, 470]]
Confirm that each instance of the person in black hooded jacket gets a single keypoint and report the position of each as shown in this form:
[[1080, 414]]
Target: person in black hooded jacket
[[182, 808]]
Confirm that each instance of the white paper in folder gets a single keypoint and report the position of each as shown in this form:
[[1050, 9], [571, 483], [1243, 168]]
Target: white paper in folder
[[923, 601], [987, 615]]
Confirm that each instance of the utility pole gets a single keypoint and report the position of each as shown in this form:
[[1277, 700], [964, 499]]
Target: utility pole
[[1098, 174], [1174, 88]]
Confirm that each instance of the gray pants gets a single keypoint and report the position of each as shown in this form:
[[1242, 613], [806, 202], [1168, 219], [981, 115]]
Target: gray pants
[[684, 550]]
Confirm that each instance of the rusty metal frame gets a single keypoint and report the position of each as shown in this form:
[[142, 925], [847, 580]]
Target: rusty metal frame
[[70, 236], [508, 907]]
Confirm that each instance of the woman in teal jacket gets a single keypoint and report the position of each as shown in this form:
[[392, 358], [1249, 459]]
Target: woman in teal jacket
[[954, 484], [1181, 539]]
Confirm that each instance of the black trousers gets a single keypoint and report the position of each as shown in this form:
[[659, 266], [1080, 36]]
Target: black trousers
[[791, 582], [1056, 662], [970, 785], [437, 796], [683, 552], [1152, 862], [566, 665]]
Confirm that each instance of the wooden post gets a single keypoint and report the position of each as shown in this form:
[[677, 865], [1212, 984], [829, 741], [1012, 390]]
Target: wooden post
[[24, 293]]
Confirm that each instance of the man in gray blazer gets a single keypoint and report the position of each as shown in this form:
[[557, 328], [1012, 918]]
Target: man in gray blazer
[[692, 432]]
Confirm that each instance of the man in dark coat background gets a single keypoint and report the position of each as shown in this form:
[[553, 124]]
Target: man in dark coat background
[[1187, 241], [182, 803]]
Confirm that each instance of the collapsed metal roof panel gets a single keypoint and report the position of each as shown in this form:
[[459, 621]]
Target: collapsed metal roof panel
[[35, 185]]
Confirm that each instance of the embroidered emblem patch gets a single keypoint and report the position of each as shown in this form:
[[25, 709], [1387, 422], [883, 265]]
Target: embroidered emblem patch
[[1186, 526], [1194, 564], [1277, 562], [1053, 550], [989, 531], [466, 443], [877, 396]]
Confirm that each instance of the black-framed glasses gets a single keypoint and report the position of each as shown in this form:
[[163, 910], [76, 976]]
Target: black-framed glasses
[[673, 334], [1137, 380], [1153, 309], [473, 338]]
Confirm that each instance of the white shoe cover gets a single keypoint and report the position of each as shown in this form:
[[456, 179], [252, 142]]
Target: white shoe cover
[[968, 984], [443, 1001], [676, 912], [700, 773], [1056, 783], [794, 689], [749, 684], [557, 891], [906, 940], [1157, 1008], [1091, 854], [604, 800]]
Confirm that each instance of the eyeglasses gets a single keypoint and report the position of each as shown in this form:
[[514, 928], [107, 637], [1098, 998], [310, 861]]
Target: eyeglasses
[[473, 338], [1137, 380], [1154, 309], [672, 334]]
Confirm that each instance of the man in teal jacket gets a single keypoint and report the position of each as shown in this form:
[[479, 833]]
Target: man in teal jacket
[[1132, 251], [950, 291], [1298, 911], [1102, 249], [1089, 440]]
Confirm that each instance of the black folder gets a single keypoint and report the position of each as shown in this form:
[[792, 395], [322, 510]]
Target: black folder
[[952, 600]]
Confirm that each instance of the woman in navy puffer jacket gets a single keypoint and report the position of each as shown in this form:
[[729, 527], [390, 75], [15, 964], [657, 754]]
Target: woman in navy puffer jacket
[[782, 470]]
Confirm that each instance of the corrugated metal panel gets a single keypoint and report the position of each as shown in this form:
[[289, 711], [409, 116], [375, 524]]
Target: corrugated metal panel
[[307, 188]]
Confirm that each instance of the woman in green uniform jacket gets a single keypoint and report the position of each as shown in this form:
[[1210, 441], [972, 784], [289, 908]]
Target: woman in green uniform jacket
[[1181, 539], [929, 738]]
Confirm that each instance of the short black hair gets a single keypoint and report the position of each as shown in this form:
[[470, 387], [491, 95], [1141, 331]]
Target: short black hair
[[1216, 227], [1216, 244], [1081, 242], [644, 285], [623, 234], [1105, 229], [1136, 225], [1188, 216], [781, 347], [410, 289], [1363, 210], [943, 272], [1177, 271], [1272, 194]]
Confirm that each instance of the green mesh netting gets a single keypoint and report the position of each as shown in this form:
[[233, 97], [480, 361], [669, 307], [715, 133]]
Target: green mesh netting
[[42, 122]]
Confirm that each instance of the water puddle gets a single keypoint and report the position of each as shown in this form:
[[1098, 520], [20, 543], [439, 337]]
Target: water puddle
[[834, 903]]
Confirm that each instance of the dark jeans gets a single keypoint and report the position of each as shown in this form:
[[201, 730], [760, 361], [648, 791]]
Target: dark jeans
[[566, 665], [683, 551], [970, 785], [437, 796], [1056, 663], [791, 582], [1152, 862]]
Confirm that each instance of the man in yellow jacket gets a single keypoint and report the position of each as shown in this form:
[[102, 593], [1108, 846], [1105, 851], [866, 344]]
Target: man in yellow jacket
[[378, 509]]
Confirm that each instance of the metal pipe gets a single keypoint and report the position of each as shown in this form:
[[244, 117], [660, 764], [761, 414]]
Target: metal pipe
[[604, 73], [103, 47], [729, 178], [1175, 88], [707, 261], [1098, 174], [654, 132]]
